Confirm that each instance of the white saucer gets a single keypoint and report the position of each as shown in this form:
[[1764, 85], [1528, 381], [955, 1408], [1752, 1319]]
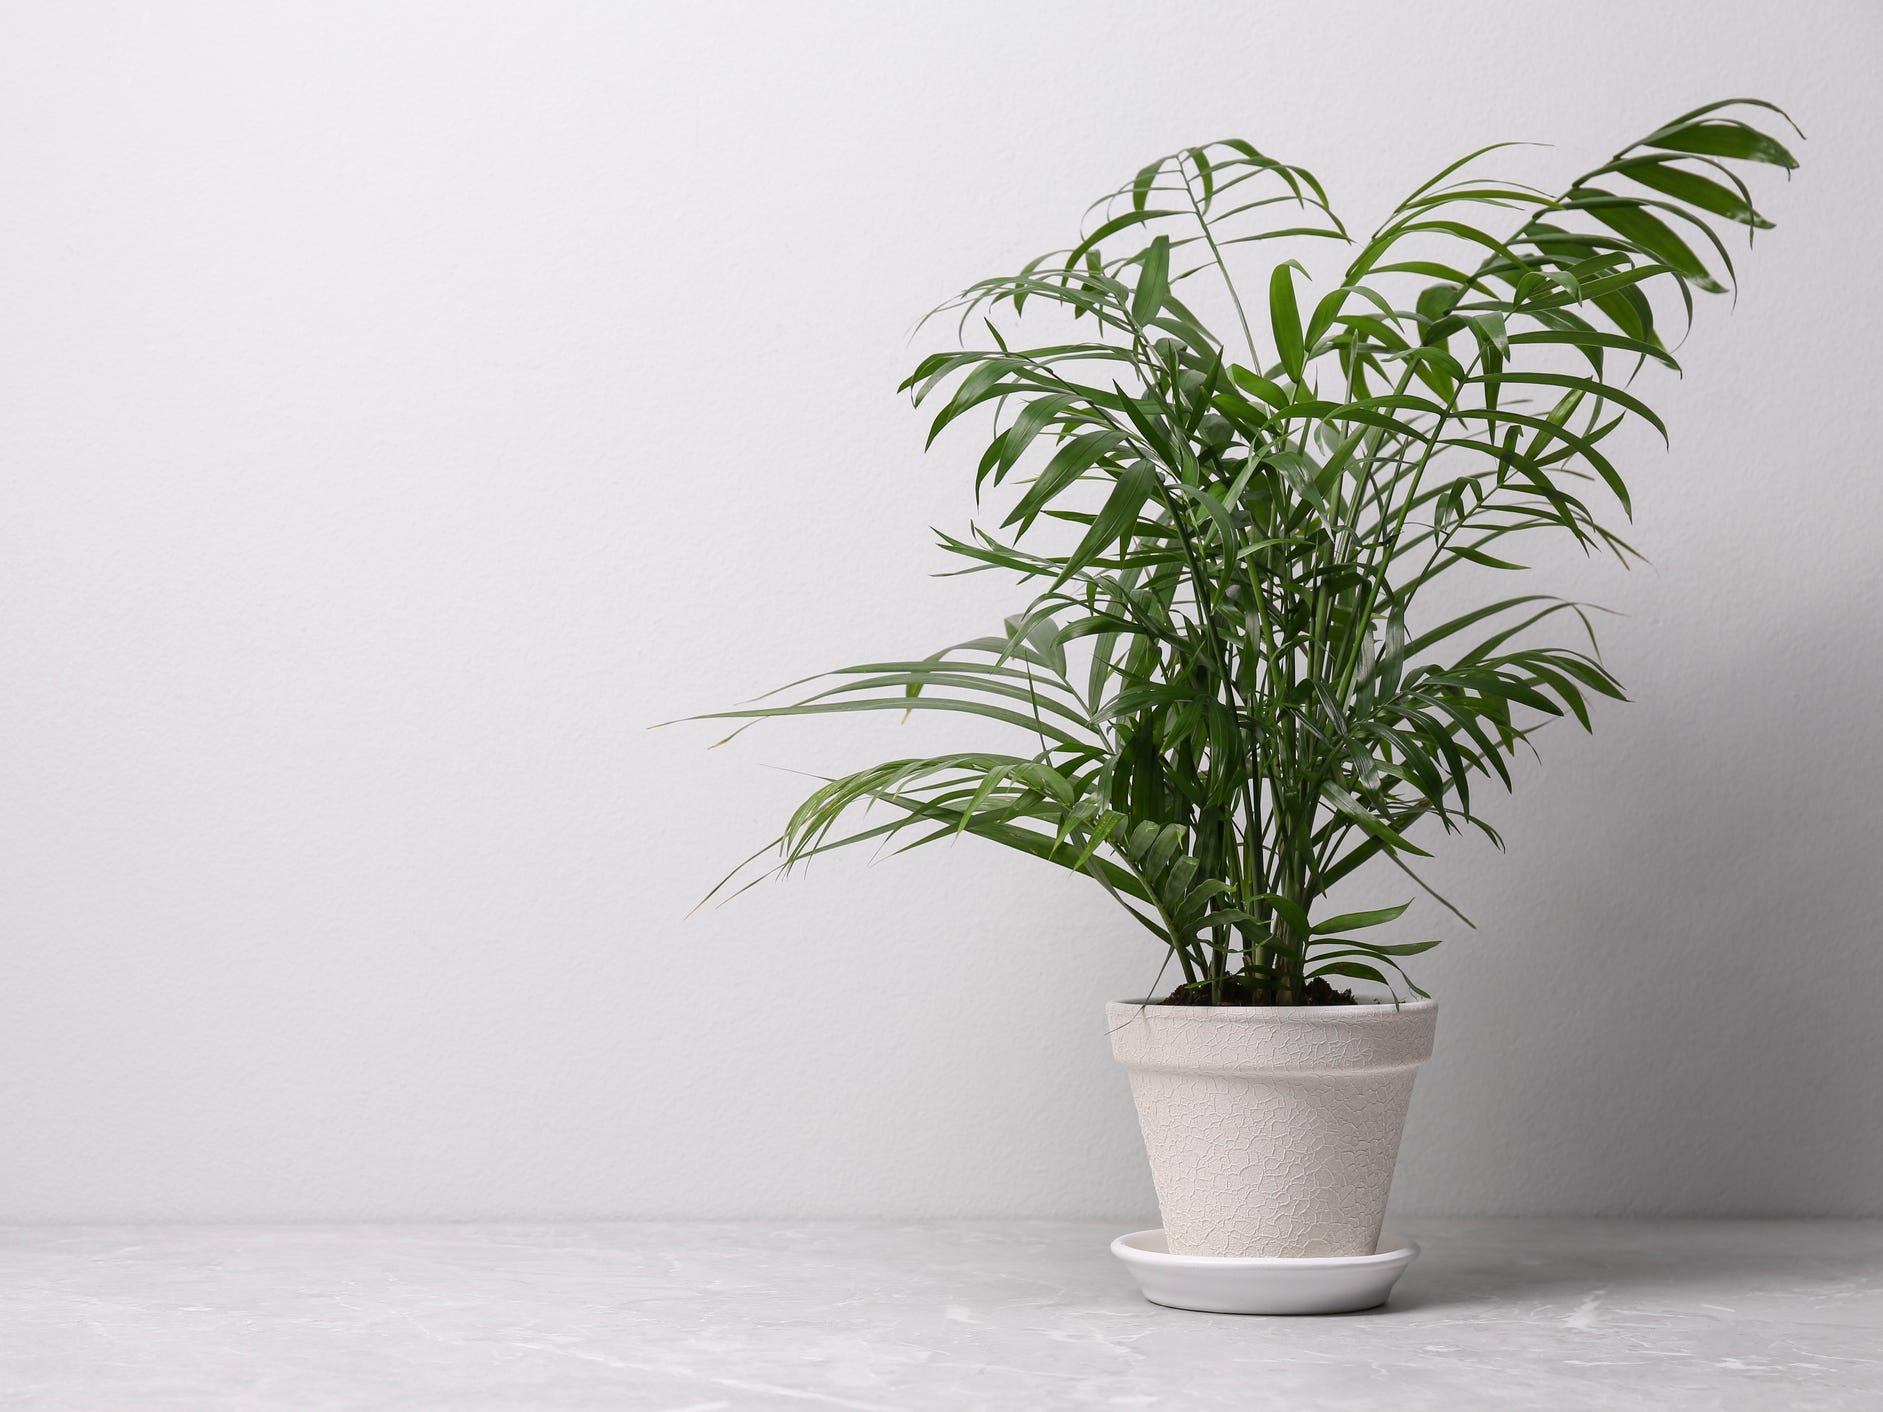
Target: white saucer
[[1219, 1284]]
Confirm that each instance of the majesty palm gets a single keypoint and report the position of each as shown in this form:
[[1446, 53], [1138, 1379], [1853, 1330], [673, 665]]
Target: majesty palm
[[1225, 698]]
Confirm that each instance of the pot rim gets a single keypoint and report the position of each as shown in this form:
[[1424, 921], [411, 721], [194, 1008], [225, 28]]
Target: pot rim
[[1294, 1013]]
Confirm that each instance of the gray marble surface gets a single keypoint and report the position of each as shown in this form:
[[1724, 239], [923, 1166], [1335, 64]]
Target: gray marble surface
[[700, 1317]]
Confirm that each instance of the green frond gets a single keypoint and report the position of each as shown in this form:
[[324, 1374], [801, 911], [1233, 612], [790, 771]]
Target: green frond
[[1226, 695]]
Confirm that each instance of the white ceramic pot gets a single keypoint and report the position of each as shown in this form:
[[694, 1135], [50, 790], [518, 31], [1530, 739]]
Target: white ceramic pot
[[1272, 1130]]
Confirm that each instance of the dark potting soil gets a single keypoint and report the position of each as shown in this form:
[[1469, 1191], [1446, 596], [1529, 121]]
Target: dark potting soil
[[1245, 990]]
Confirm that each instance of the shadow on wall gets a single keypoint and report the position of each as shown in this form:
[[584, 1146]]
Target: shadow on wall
[[1683, 1016]]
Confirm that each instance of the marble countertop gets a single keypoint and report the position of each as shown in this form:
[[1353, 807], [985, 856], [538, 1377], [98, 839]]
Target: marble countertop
[[705, 1317]]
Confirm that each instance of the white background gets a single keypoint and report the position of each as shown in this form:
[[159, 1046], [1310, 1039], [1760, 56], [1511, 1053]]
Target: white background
[[407, 405]]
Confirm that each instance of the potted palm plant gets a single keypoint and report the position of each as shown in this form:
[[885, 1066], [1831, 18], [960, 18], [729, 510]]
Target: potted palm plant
[[1227, 696]]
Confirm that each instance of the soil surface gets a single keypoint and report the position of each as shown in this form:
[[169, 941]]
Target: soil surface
[[1244, 990]]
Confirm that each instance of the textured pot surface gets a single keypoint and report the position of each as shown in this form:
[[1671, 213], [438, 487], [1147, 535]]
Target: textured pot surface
[[1272, 1131]]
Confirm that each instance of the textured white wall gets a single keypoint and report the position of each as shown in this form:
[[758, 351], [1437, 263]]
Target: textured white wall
[[405, 405]]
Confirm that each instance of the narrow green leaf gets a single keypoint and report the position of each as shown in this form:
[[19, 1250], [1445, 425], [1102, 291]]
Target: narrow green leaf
[[1659, 174], [1258, 386], [1651, 233], [1068, 464], [1290, 912], [1478, 556], [1404, 948], [1111, 228], [1724, 139], [1141, 186], [1350, 921], [1153, 281], [1116, 519], [1358, 970], [1345, 803], [1285, 319]]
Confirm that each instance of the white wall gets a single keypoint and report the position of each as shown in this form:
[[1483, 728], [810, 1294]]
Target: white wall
[[406, 405]]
